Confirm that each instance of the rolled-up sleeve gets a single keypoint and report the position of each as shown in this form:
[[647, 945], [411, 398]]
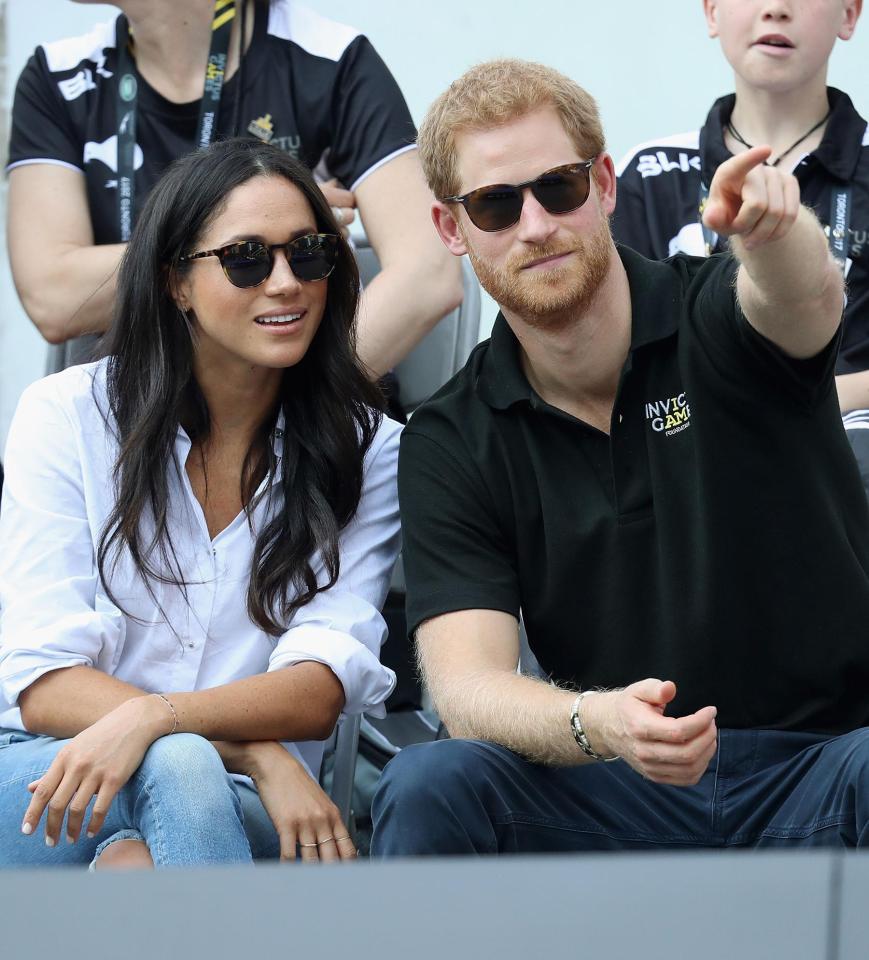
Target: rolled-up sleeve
[[52, 613], [342, 627]]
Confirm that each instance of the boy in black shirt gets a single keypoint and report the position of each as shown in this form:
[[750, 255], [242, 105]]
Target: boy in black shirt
[[779, 53]]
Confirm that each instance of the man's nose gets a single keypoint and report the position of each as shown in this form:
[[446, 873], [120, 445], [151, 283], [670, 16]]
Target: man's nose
[[536, 223]]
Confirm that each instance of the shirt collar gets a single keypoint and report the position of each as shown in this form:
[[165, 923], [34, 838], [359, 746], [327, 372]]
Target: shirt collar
[[839, 151], [655, 307], [842, 145]]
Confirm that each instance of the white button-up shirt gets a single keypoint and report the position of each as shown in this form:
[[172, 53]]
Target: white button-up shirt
[[54, 609]]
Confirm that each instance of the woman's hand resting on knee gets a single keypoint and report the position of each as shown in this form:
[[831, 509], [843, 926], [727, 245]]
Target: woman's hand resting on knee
[[96, 763], [300, 810]]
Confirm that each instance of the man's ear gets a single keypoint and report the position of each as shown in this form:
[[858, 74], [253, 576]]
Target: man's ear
[[710, 9], [448, 228], [604, 174], [851, 15]]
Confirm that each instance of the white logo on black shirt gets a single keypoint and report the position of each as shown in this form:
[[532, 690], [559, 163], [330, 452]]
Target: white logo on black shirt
[[653, 164], [75, 86], [107, 153]]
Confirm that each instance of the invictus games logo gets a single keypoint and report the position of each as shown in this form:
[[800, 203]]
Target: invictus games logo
[[262, 127], [669, 416]]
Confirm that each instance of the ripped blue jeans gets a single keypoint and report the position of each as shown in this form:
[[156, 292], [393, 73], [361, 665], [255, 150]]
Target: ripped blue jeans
[[181, 802]]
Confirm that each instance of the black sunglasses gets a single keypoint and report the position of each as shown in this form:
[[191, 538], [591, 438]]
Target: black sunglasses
[[249, 263], [499, 206]]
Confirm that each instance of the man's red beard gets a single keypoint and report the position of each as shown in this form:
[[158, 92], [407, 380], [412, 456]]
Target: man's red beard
[[552, 298]]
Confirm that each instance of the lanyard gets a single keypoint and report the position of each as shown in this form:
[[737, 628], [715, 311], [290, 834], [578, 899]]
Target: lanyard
[[127, 96], [838, 232]]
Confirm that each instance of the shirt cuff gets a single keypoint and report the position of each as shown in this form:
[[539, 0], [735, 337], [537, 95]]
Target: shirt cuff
[[367, 683], [21, 669]]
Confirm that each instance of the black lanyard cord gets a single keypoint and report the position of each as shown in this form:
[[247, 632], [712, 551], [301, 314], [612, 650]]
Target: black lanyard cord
[[239, 75], [127, 102]]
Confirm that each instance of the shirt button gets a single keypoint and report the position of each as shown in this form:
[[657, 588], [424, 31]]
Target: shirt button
[[191, 645], [621, 418]]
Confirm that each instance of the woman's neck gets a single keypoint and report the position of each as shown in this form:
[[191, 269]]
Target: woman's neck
[[172, 40], [239, 400], [779, 119]]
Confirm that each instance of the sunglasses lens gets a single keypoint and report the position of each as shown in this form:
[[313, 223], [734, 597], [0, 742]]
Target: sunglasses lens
[[313, 257], [559, 190], [247, 264], [562, 191], [494, 208]]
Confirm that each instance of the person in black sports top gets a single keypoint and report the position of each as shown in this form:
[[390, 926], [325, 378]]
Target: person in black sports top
[[314, 87], [779, 53]]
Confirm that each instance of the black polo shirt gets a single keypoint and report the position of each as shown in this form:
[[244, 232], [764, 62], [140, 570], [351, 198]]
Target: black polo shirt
[[718, 537]]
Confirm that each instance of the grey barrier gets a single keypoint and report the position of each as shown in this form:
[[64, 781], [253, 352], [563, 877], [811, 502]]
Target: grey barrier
[[711, 905]]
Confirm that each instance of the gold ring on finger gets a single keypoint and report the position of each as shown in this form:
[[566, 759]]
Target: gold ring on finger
[[309, 844], [324, 840]]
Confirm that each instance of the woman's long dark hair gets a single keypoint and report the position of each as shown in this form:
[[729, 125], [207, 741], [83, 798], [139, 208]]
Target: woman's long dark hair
[[331, 409]]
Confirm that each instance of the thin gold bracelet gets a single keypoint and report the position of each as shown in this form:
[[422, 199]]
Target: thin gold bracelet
[[175, 723]]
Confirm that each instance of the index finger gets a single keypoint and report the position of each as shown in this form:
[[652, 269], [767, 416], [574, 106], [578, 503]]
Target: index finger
[[42, 793], [732, 172]]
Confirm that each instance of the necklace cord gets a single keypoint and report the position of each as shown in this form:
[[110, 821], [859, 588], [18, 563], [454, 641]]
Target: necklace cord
[[774, 163]]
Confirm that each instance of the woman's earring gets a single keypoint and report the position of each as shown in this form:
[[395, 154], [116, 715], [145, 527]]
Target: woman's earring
[[184, 314]]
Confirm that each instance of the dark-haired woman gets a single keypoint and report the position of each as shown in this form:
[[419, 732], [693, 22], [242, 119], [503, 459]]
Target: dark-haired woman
[[196, 537]]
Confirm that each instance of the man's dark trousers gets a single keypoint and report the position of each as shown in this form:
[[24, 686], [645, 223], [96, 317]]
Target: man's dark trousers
[[762, 789]]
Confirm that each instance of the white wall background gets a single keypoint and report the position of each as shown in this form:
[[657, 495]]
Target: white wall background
[[648, 62]]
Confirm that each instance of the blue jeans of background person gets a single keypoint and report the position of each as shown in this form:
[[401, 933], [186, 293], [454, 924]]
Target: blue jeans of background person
[[181, 801], [762, 789]]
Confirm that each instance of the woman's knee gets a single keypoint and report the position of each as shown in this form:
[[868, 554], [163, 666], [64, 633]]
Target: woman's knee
[[124, 854], [185, 760]]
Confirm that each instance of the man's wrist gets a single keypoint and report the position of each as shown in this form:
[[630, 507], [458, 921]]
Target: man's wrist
[[581, 722]]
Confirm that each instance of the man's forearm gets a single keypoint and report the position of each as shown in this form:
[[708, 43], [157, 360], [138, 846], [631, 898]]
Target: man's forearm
[[794, 269], [526, 715]]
